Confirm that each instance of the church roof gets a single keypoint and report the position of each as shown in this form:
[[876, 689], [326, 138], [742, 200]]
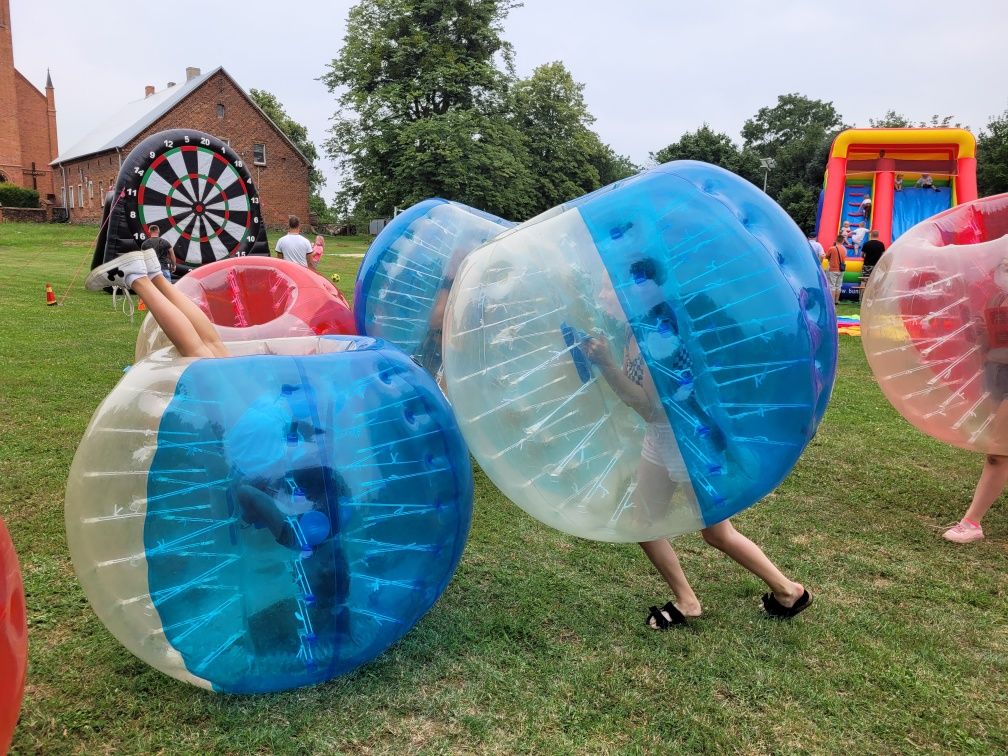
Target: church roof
[[125, 124]]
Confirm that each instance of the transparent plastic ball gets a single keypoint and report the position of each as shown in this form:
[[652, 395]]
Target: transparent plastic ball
[[934, 325], [646, 360], [270, 520], [404, 279], [258, 298]]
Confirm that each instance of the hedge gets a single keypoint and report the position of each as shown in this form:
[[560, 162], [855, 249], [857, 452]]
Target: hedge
[[12, 195]]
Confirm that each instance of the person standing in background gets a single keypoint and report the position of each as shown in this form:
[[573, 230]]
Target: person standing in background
[[872, 251], [817, 248], [294, 247], [836, 254], [164, 250]]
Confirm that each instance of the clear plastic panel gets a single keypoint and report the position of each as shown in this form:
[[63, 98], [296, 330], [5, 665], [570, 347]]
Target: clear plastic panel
[[934, 325]]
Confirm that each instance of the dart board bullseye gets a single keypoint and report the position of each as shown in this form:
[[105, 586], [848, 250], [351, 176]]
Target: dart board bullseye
[[198, 192]]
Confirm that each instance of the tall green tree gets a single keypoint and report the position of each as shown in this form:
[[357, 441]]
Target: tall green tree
[[550, 112], [712, 147], [894, 120], [422, 90], [992, 157], [796, 133], [610, 165]]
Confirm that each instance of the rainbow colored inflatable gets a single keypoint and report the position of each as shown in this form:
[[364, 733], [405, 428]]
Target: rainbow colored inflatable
[[884, 165]]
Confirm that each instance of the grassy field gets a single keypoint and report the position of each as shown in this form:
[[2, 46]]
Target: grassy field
[[538, 645]]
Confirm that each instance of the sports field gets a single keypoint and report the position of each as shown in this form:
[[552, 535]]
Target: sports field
[[539, 645]]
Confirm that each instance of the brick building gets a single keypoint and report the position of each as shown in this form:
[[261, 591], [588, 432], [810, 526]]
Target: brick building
[[211, 102], [27, 121]]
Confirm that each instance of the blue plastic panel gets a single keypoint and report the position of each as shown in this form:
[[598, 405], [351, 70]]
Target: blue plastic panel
[[702, 258], [303, 513], [912, 205]]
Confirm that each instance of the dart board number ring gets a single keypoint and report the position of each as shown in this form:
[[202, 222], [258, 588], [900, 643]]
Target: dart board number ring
[[198, 192]]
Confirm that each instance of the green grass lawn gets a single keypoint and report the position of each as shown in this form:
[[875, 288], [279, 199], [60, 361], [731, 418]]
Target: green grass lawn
[[538, 645]]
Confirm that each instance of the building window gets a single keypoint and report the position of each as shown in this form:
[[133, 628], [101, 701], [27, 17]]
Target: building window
[[80, 194], [70, 204], [220, 110], [259, 154], [90, 189]]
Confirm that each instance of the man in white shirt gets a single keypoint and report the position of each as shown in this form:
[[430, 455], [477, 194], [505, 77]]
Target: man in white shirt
[[817, 248], [858, 236], [294, 247]]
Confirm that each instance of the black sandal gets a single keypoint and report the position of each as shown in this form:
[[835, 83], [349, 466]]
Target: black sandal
[[661, 622], [777, 610]]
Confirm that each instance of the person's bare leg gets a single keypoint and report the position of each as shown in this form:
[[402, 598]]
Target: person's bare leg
[[173, 321], [200, 322], [993, 480], [726, 539], [665, 560], [655, 489]]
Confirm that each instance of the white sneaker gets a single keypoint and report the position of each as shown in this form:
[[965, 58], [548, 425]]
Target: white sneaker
[[119, 273], [153, 264]]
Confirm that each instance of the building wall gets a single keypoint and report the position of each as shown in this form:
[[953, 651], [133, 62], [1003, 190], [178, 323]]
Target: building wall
[[33, 122], [91, 177], [282, 183], [10, 137]]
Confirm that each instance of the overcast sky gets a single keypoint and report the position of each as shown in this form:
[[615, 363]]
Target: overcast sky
[[652, 69]]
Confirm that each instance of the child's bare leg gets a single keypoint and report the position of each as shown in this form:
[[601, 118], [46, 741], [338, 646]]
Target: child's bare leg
[[725, 538], [655, 489], [200, 322], [665, 560], [993, 480], [173, 321]]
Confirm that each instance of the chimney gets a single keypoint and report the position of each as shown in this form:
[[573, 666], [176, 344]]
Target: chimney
[[148, 90], [171, 83], [191, 73]]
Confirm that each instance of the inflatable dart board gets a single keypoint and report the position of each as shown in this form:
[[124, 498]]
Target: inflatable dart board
[[196, 189]]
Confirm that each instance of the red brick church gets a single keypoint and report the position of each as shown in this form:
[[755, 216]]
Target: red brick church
[[27, 121], [78, 176]]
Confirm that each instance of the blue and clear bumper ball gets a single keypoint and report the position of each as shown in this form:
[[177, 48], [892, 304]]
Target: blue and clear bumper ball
[[403, 282], [721, 341], [270, 520]]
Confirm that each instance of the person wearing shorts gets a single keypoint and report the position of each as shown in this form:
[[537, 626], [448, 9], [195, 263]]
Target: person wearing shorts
[[992, 333], [661, 473], [835, 255]]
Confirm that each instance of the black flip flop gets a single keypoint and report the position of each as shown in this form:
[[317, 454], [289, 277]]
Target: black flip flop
[[658, 615], [777, 610]]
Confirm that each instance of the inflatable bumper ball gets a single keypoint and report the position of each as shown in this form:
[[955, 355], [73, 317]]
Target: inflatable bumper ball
[[934, 325], [258, 298], [721, 343], [13, 639], [270, 520], [404, 279]]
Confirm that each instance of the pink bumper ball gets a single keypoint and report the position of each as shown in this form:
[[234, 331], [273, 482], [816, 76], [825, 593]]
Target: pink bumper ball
[[13, 639], [256, 297], [934, 324]]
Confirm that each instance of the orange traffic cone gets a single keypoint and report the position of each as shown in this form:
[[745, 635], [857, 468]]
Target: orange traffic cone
[[141, 306], [50, 295]]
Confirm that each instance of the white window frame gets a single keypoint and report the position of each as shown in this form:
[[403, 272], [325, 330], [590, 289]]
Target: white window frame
[[80, 194], [259, 162]]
